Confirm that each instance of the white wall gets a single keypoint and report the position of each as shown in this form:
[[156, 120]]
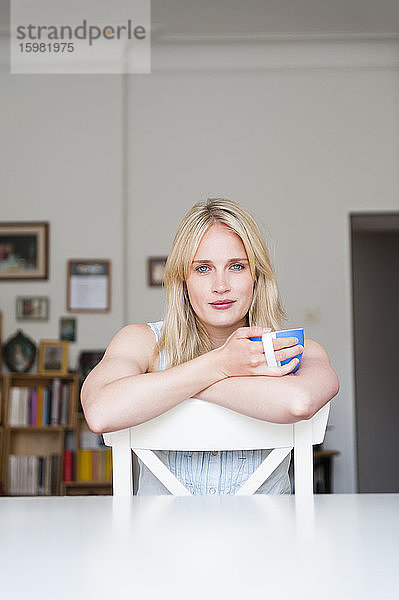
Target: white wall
[[61, 162], [300, 134]]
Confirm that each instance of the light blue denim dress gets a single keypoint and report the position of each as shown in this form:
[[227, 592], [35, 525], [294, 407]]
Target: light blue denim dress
[[211, 473]]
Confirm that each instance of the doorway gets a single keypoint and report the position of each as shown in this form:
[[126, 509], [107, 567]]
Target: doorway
[[375, 295]]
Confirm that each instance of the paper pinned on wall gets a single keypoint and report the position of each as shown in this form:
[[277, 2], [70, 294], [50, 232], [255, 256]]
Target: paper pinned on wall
[[88, 292], [89, 286]]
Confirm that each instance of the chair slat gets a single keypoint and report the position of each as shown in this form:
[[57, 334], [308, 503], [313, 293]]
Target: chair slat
[[198, 425]]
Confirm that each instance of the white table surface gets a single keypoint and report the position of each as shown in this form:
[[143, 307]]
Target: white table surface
[[331, 546]]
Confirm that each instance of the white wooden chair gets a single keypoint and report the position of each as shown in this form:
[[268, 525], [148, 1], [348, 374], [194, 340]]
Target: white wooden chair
[[198, 425]]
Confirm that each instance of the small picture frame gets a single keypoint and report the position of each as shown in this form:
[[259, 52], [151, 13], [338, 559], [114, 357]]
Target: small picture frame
[[156, 270], [24, 250], [68, 329], [19, 353], [32, 308], [53, 357], [89, 285]]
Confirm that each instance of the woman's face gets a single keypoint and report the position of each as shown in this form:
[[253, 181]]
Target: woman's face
[[220, 284]]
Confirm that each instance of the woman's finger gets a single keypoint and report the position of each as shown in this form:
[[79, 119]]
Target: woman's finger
[[277, 371], [257, 348], [279, 343], [288, 352], [254, 331], [285, 369]]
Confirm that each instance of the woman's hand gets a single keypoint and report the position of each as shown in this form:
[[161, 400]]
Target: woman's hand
[[240, 357]]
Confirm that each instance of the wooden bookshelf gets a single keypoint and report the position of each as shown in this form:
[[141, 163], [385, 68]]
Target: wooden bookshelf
[[43, 440], [1, 429], [87, 488]]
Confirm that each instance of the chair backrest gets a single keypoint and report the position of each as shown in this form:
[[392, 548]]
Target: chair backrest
[[198, 425]]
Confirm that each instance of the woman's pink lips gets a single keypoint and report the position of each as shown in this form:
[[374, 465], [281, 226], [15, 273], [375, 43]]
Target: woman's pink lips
[[222, 305]]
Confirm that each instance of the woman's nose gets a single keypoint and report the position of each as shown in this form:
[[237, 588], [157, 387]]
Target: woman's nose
[[221, 283]]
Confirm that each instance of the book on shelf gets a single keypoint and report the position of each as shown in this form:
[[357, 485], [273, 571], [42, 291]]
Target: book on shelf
[[55, 417], [65, 405], [46, 408], [33, 405], [33, 475], [41, 405], [68, 466], [85, 465], [93, 458], [94, 465], [68, 457]]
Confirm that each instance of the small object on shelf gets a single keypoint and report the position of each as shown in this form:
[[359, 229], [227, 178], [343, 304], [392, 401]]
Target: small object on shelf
[[19, 353], [53, 357]]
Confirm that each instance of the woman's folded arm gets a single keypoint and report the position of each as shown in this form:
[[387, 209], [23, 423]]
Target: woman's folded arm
[[284, 399], [119, 392]]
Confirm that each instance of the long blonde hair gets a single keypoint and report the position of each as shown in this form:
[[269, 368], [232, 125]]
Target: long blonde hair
[[183, 335]]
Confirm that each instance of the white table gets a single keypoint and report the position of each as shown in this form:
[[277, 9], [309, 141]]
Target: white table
[[332, 546]]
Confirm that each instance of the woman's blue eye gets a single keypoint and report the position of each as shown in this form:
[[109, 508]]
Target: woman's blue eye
[[200, 268], [239, 265]]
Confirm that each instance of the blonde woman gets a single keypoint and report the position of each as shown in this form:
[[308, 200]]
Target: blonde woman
[[221, 290]]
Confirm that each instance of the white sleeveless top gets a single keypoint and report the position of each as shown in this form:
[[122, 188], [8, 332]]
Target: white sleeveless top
[[213, 473]]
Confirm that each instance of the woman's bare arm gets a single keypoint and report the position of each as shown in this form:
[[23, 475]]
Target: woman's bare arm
[[120, 392], [316, 378], [280, 399]]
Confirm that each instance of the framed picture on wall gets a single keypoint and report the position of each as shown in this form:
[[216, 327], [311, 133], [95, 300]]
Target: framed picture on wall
[[19, 353], [24, 250], [156, 270], [32, 308], [68, 329], [89, 285], [53, 357]]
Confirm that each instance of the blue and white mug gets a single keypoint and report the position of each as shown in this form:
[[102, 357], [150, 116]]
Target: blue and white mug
[[267, 340]]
